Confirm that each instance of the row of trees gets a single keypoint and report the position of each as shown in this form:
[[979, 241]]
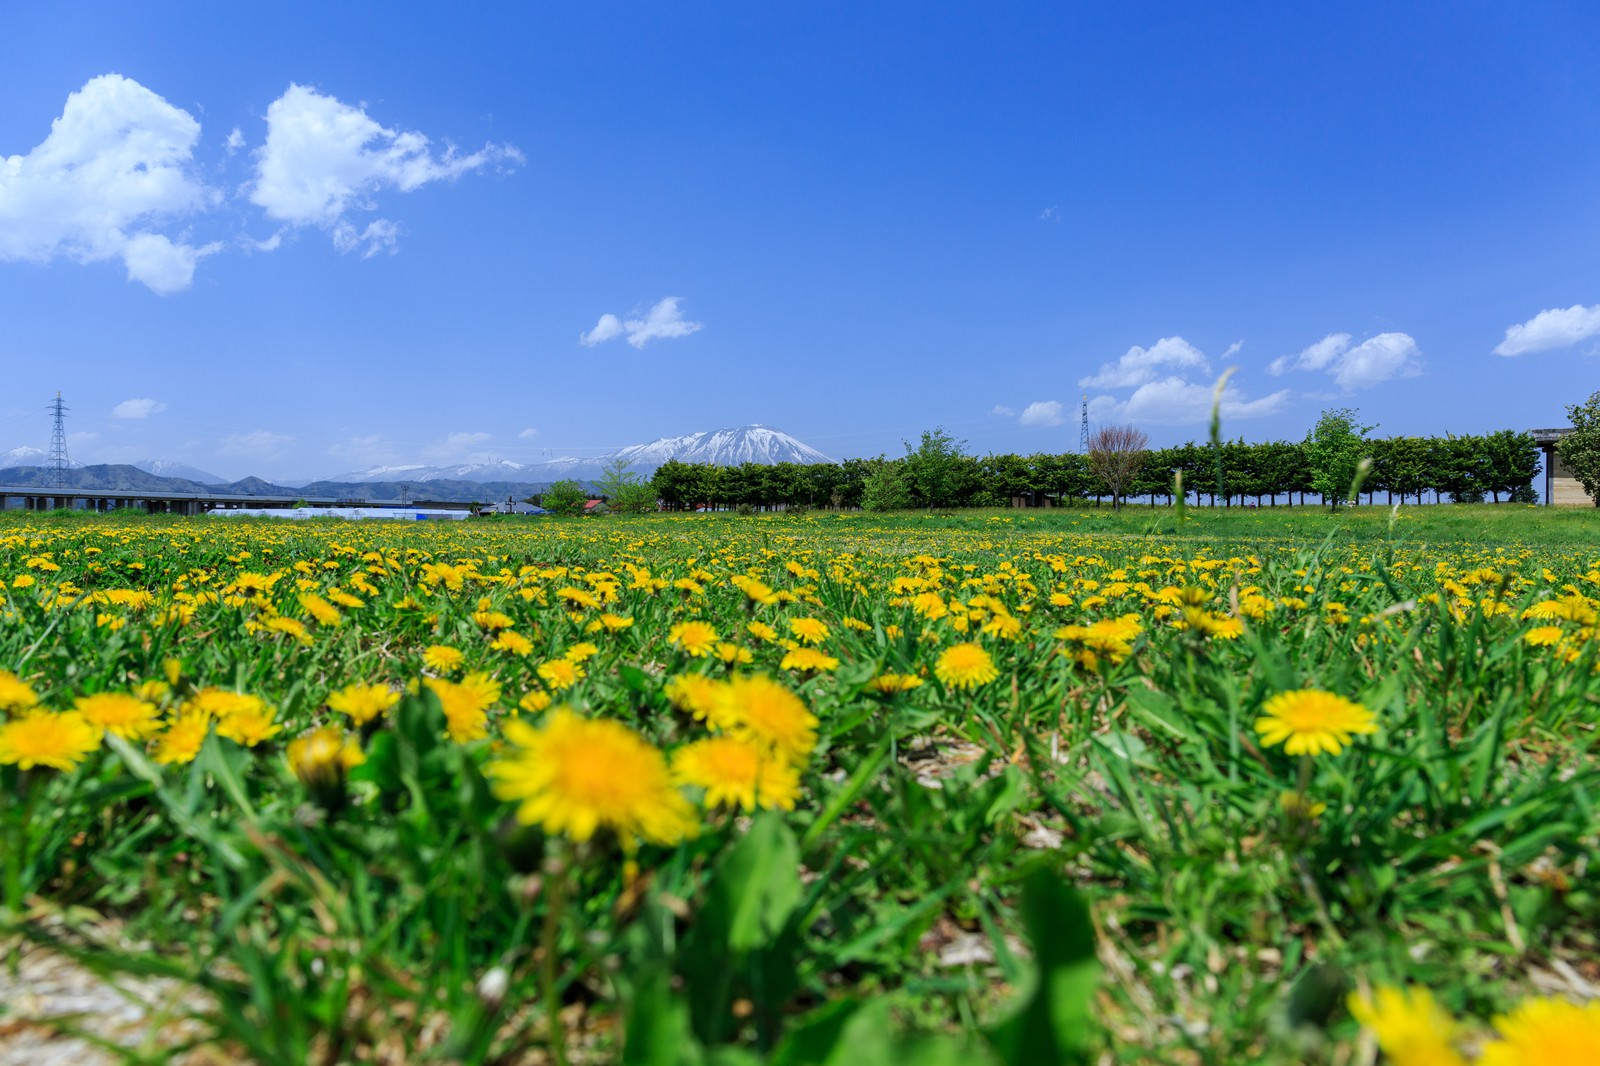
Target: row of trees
[[937, 473]]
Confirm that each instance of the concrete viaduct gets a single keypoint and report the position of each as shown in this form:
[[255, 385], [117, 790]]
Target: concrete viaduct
[[34, 498]]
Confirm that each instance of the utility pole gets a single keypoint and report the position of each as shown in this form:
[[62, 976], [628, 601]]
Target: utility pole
[[58, 443], [1083, 430]]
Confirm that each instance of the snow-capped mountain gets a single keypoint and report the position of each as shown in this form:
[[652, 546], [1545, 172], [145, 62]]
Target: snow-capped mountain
[[481, 470], [27, 455], [719, 447], [723, 447], [173, 468]]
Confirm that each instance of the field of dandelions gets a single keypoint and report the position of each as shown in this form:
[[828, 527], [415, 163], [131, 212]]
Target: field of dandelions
[[817, 789]]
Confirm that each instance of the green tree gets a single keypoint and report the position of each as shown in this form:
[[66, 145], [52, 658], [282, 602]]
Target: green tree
[[1511, 461], [1580, 449], [933, 468], [624, 491], [885, 488], [1335, 447], [564, 497]]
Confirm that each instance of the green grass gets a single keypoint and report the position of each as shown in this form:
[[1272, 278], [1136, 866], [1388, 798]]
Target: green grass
[[966, 870]]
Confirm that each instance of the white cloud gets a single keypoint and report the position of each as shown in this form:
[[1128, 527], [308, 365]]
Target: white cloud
[[608, 327], [1376, 360], [1372, 362], [1174, 401], [664, 320], [115, 166], [1556, 328], [528, 434], [1140, 365], [370, 450], [1315, 357], [1042, 413], [323, 159], [380, 235], [235, 141], [257, 442], [1050, 214], [1002, 410], [141, 408], [458, 447]]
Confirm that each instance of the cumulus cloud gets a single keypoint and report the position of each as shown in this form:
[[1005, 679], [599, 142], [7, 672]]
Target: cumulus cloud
[[664, 320], [116, 166], [141, 408], [1372, 362], [1174, 401], [235, 141], [528, 434], [324, 159], [1140, 365], [257, 442], [1042, 413], [1002, 410], [1556, 328], [1162, 392]]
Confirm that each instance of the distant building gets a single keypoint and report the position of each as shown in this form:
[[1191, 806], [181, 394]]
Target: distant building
[[1560, 487]]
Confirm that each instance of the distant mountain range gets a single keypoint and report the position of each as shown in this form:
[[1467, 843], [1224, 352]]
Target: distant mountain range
[[719, 447], [488, 481]]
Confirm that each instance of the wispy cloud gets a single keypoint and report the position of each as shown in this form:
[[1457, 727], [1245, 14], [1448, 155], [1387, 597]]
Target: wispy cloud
[[1002, 410], [1556, 328], [664, 320], [260, 442], [140, 408], [1375, 360]]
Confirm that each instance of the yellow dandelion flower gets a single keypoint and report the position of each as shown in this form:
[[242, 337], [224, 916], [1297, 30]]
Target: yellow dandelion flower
[[761, 631], [59, 741], [1298, 805], [760, 711], [324, 612], [736, 774], [732, 653], [576, 776], [535, 702], [857, 624], [1543, 1032], [322, 753], [696, 638], [893, 632], [888, 684], [250, 727], [223, 704], [485, 690], [443, 658], [362, 703], [1311, 722], [809, 630], [560, 673], [492, 620], [809, 660], [16, 694], [693, 693], [126, 716], [963, 666], [581, 652], [153, 690], [1004, 626], [512, 641], [1543, 636], [615, 623], [1409, 1026], [181, 740], [344, 599], [465, 716]]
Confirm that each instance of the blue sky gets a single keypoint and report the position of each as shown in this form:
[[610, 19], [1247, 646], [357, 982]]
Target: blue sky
[[852, 222]]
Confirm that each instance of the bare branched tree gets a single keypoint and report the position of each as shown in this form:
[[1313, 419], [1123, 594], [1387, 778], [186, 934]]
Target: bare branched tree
[[1116, 455]]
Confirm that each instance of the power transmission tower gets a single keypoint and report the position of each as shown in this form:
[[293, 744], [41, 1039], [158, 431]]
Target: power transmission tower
[[1083, 430], [58, 443]]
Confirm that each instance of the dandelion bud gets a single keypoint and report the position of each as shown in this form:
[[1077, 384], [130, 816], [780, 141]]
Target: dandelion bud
[[321, 760]]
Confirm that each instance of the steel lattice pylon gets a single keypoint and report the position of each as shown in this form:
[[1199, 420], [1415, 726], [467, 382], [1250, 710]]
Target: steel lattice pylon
[[58, 443], [1083, 430]]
